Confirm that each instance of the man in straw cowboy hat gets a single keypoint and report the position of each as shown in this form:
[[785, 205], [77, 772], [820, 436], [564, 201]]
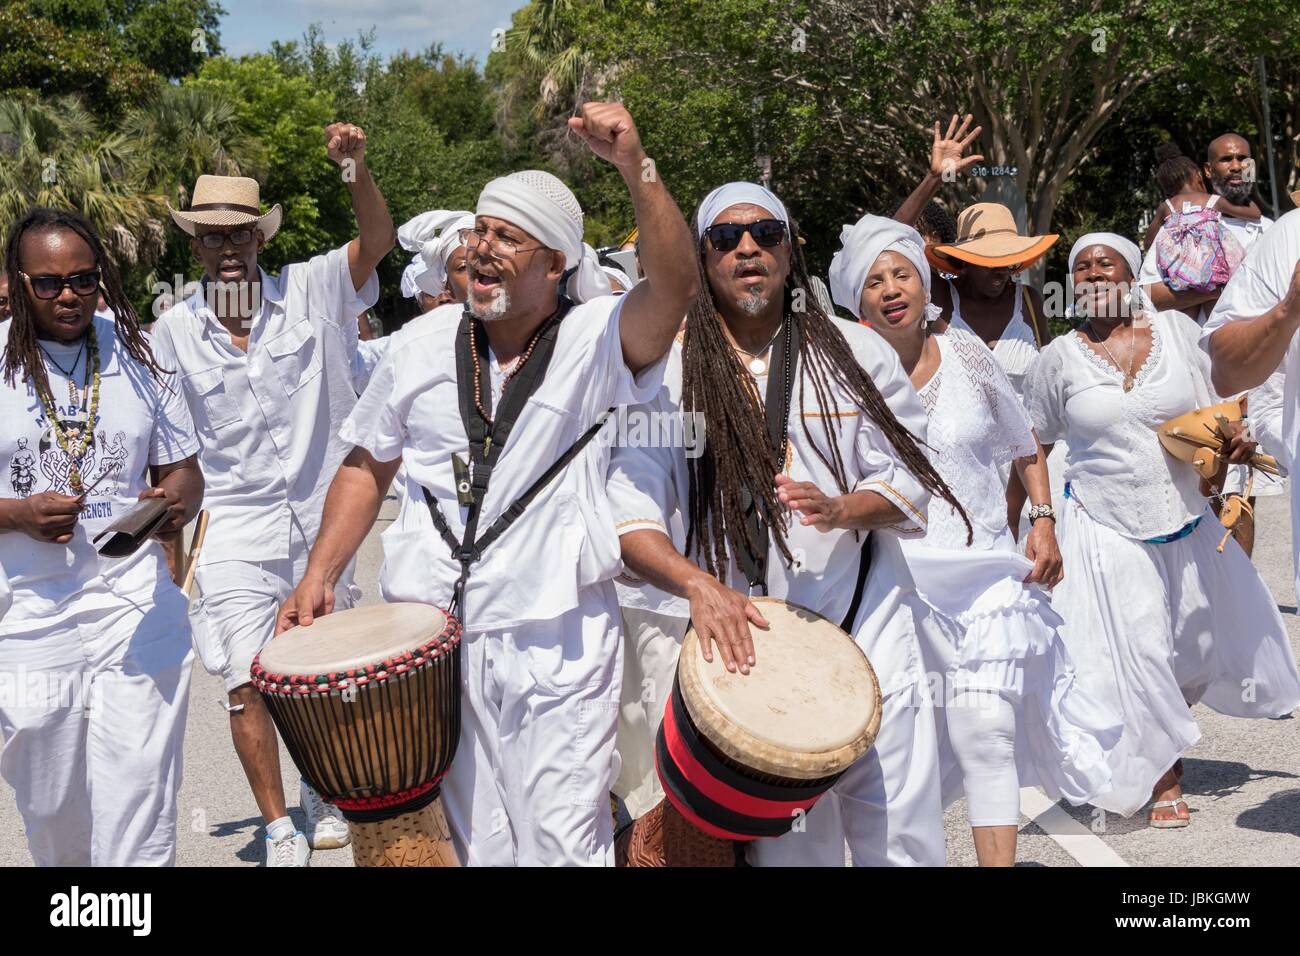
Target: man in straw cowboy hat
[[266, 364], [541, 655]]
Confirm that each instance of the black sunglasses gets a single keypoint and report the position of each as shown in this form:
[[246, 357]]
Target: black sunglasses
[[215, 240], [51, 287], [725, 236]]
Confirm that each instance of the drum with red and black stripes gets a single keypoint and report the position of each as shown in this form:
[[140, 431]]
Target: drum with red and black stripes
[[743, 756]]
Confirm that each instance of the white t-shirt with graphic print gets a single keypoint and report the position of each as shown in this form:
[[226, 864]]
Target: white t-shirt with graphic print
[[140, 422]]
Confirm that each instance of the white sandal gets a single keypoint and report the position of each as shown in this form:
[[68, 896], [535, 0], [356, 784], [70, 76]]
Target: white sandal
[[1176, 822]]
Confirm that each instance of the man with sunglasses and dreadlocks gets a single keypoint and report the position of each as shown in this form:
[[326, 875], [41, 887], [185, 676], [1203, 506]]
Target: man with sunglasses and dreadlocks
[[268, 366], [94, 650], [491, 407], [811, 452]]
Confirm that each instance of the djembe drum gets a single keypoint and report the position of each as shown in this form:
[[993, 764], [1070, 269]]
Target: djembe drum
[[743, 756], [368, 703]]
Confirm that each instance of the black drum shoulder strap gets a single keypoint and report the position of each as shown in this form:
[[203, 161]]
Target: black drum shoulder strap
[[864, 567], [487, 440], [776, 407]]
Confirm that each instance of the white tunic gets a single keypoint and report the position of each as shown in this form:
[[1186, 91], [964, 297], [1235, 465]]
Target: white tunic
[[565, 540], [268, 418], [1016, 348], [140, 423], [1259, 284], [649, 490]]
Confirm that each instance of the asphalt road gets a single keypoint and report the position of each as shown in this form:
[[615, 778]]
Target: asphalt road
[[1242, 780]]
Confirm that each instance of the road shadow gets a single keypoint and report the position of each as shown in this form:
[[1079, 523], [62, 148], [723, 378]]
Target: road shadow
[[1220, 778], [1280, 813]]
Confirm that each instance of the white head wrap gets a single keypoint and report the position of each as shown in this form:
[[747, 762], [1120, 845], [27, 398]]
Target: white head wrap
[[546, 209], [619, 276], [733, 194], [433, 237], [861, 244], [1126, 248]]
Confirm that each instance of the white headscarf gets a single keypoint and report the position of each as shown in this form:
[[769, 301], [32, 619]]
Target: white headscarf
[[619, 276], [861, 244], [733, 194], [433, 236], [1127, 250], [546, 209]]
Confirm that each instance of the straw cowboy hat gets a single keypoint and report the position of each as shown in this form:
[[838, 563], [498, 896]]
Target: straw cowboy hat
[[227, 201], [987, 236]]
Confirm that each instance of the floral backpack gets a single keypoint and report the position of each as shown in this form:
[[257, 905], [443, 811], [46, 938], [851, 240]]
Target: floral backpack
[[1193, 249]]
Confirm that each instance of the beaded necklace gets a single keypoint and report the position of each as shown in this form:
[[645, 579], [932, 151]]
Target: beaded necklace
[[75, 446], [514, 369]]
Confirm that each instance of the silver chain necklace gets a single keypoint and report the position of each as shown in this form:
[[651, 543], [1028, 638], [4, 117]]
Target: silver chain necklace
[[758, 364]]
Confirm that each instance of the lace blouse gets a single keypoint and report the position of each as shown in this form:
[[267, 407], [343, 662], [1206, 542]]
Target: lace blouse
[[1115, 464], [977, 426]]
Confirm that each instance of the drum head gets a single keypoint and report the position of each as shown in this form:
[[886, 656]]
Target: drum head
[[347, 640], [807, 709]]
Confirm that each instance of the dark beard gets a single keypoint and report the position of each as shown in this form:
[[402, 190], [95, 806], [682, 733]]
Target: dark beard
[[1237, 195]]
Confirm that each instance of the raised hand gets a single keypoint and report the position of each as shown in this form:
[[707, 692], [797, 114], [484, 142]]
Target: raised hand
[[946, 159], [607, 128], [343, 141]]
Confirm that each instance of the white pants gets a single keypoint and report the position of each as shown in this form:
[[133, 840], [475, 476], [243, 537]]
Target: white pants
[[651, 645], [886, 806], [92, 715], [238, 603], [530, 782]]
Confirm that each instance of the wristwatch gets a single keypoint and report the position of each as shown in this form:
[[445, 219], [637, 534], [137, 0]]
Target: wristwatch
[[1041, 511]]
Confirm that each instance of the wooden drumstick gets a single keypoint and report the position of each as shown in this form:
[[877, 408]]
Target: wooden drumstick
[[196, 547]]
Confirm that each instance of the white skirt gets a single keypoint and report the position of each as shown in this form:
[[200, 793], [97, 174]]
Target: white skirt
[[1154, 628], [989, 631]]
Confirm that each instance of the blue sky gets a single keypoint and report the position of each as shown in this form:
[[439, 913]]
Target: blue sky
[[462, 26]]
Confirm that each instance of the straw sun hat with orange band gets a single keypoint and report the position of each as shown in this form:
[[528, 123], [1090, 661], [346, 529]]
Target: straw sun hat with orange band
[[987, 236]]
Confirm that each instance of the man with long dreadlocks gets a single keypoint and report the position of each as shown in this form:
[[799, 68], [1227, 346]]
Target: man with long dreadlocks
[[799, 494], [94, 650]]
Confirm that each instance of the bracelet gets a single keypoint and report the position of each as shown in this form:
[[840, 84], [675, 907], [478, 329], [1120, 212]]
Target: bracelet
[[1041, 511]]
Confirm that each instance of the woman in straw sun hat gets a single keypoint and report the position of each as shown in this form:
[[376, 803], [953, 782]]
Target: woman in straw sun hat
[[985, 299]]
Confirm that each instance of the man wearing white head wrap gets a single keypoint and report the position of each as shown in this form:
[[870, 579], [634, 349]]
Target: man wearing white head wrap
[[848, 463], [541, 652]]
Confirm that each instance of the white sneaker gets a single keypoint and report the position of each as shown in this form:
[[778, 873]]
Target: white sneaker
[[325, 826], [288, 851]]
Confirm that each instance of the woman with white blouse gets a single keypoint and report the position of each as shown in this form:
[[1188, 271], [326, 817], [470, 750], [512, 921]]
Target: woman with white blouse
[[1011, 709], [1156, 619]]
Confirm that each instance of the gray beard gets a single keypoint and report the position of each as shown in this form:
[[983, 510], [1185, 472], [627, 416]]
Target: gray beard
[[752, 304], [1238, 197], [496, 309]]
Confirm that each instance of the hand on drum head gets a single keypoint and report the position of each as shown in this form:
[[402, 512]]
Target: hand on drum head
[[722, 616], [312, 598]]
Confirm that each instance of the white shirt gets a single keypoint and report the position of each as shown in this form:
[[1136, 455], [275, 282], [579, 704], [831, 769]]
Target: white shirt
[[1245, 231], [649, 489], [1117, 469], [1016, 349], [1259, 284], [565, 540], [977, 425], [268, 418], [140, 423]]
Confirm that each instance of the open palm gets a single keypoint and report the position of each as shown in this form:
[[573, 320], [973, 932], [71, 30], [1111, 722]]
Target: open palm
[[946, 151]]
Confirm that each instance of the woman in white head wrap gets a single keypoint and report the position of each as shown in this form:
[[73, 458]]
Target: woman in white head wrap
[[1156, 617], [436, 273], [1011, 712]]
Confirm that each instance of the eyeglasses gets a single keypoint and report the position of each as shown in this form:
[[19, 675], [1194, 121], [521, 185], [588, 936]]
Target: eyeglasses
[[498, 247], [215, 240], [725, 236], [51, 287]]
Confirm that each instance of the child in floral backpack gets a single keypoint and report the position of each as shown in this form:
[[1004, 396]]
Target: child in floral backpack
[[1193, 250]]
